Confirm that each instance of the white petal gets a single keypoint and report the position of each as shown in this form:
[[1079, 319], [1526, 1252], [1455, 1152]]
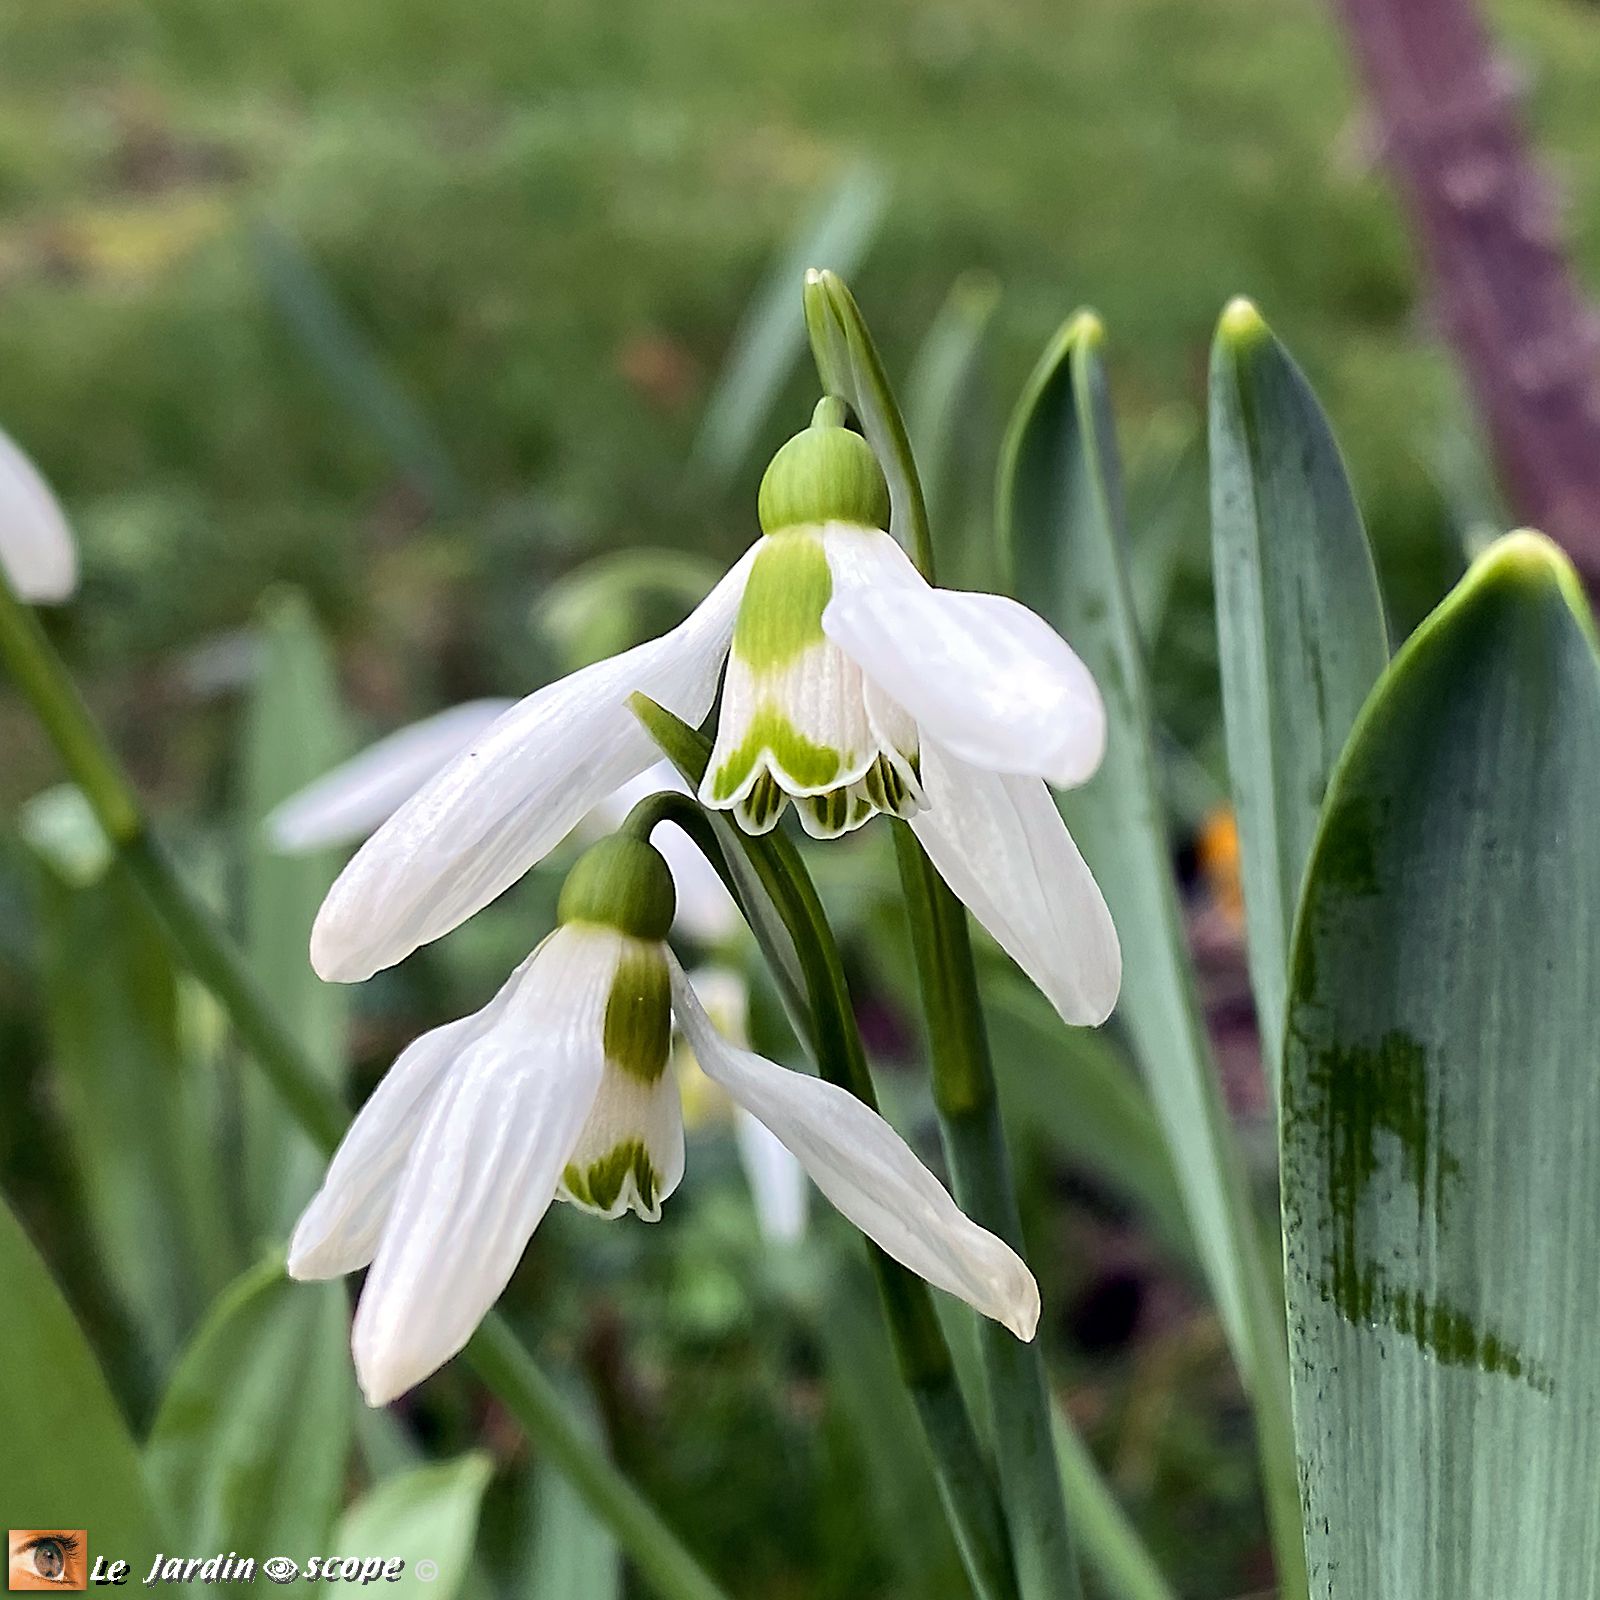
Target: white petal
[[339, 1230], [989, 679], [628, 1112], [777, 1181], [1001, 845], [347, 804], [36, 545], [485, 1166], [499, 807], [869, 1173]]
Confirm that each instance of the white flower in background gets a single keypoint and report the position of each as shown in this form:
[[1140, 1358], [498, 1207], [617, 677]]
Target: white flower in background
[[357, 797], [777, 1181], [36, 545], [853, 686], [559, 1088]]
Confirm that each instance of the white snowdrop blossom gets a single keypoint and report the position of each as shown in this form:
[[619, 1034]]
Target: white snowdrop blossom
[[346, 806], [559, 1089], [852, 686], [37, 549]]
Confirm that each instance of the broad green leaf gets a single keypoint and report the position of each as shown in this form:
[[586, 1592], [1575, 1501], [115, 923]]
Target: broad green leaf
[[249, 1447], [128, 1105], [66, 1460], [294, 735], [426, 1517], [566, 1550], [1441, 1121], [769, 338], [1300, 626], [1060, 509]]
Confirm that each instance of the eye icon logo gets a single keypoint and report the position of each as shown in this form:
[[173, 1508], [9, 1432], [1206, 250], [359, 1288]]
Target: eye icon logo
[[280, 1569], [47, 1558]]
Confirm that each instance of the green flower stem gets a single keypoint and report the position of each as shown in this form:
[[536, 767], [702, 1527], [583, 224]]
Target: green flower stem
[[495, 1353], [980, 1165], [828, 1022], [963, 1078]]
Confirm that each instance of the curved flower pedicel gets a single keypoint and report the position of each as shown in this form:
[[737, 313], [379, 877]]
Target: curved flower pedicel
[[36, 545], [853, 687], [559, 1089]]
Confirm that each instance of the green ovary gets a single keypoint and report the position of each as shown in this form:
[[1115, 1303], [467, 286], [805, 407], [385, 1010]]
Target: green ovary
[[600, 1183], [770, 733], [780, 616]]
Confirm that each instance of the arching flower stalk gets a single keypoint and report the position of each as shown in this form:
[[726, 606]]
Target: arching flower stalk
[[559, 1089], [852, 687]]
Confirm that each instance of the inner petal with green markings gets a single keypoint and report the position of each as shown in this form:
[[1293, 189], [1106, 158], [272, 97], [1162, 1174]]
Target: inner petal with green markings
[[799, 721]]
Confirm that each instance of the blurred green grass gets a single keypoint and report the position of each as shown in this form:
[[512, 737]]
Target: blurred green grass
[[547, 219]]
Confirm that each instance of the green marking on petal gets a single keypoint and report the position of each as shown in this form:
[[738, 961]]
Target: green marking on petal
[[600, 1183], [804, 762], [780, 616], [638, 1027]]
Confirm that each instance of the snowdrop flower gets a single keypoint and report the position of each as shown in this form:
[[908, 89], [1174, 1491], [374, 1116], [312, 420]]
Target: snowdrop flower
[[558, 1089], [346, 805], [777, 1181], [852, 687], [36, 545]]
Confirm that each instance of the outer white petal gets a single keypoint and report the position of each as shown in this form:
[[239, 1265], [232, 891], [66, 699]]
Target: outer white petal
[[347, 804], [989, 679], [485, 1166], [36, 545], [777, 1181], [1001, 845], [705, 908], [520, 788], [339, 1230], [869, 1173]]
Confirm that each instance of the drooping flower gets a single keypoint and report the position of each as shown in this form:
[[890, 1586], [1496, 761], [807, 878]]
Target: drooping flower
[[348, 804], [559, 1088], [37, 549], [853, 686]]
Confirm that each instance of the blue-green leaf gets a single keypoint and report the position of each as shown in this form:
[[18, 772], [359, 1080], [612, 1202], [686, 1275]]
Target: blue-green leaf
[[1300, 626], [1060, 510], [1441, 1120], [249, 1447], [426, 1517], [66, 1460], [295, 734]]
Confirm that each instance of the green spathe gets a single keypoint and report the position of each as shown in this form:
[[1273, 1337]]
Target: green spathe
[[620, 883], [824, 474]]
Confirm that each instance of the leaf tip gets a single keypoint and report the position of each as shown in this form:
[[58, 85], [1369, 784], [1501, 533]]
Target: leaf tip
[[1241, 323], [1086, 330]]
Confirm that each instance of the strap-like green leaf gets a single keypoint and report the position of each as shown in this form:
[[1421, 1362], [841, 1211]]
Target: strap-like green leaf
[[66, 1460], [1441, 1123], [294, 736], [1061, 514], [426, 1517], [249, 1447], [1300, 626]]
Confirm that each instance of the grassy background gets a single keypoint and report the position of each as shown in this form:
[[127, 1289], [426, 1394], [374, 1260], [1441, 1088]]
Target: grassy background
[[543, 223]]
